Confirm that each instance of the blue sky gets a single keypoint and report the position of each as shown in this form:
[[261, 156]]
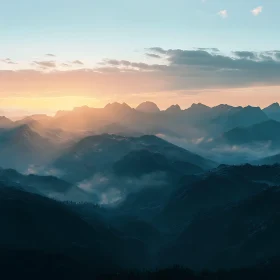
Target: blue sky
[[82, 34], [121, 29]]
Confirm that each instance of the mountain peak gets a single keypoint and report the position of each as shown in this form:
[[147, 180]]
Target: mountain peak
[[199, 105], [117, 105], [223, 107], [5, 122], [272, 108], [173, 109], [148, 107], [82, 108], [198, 108]]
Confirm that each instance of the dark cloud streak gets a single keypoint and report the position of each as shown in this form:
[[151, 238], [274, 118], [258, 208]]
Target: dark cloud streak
[[8, 61], [153, 55], [45, 64]]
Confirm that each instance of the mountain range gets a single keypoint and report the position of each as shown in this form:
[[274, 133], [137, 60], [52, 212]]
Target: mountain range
[[125, 155], [117, 188], [201, 129]]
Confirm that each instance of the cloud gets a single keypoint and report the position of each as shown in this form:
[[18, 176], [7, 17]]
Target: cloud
[[188, 71], [65, 65], [8, 61], [223, 13], [45, 64], [215, 50], [50, 55], [77, 62], [135, 65], [153, 55], [257, 11], [245, 55], [158, 50]]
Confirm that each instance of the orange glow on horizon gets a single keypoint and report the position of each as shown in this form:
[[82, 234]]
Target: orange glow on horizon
[[255, 96]]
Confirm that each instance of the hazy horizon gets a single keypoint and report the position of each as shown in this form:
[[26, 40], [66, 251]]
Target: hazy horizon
[[16, 114]]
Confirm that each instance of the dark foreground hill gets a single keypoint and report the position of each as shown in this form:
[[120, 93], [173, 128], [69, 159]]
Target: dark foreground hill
[[38, 225]]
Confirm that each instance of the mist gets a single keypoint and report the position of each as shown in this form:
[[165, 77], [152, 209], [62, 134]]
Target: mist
[[112, 190], [225, 153]]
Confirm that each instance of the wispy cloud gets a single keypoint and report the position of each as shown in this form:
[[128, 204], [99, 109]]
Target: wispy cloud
[[8, 61], [257, 11], [50, 55], [223, 13], [65, 65], [77, 62], [153, 55], [182, 70], [45, 64]]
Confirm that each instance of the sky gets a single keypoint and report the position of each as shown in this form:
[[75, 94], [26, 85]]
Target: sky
[[60, 54]]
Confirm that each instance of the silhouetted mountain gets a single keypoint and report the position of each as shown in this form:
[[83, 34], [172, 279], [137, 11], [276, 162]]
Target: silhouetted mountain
[[45, 185], [239, 117], [239, 235], [174, 109], [222, 108], [265, 270], [21, 146], [5, 122], [246, 116], [198, 108], [265, 133], [99, 153], [197, 114], [193, 123], [140, 162], [89, 119], [273, 111], [216, 188], [40, 118], [117, 107], [42, 127], [148, 107], [31, 222], [275, 159]]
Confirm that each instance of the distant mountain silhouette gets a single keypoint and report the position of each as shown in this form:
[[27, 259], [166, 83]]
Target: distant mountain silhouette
[[174, 109], [217, 188], [99, 153], [141, 162], [195, 122], [117, 107], [273, 111], [148, 107], [5, 122], [247, 116], [233, 117], [21, 146], [264, 132], [275, 159], [44, 185], [198, 108]]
